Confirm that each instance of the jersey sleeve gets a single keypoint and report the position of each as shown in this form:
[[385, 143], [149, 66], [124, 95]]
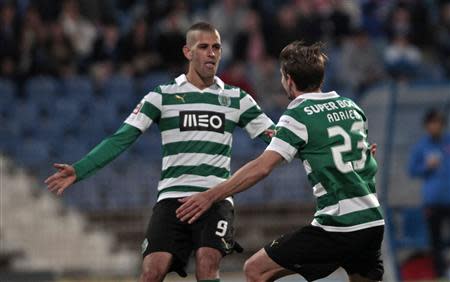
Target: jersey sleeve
[[251, 118], [106, 151], [147, 111], [291, 135]]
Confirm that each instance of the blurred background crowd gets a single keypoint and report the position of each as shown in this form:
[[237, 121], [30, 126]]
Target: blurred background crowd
[[71, 71], [367, 40]]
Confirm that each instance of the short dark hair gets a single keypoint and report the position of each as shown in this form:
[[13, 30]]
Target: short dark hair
[[304, 64], [433, 115], [202, 26]]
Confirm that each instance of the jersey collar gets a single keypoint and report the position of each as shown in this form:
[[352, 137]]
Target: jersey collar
[[318, 95], [182, 79]]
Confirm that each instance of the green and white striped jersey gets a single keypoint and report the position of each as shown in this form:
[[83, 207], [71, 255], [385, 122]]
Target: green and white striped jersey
[[196, 131], [329, 134]]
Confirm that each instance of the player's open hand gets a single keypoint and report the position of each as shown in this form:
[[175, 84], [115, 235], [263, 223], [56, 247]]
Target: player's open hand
[[60, 180], [373, 149], [193, 207]]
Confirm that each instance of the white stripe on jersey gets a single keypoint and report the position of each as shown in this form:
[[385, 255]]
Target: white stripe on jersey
[[319, 190], [140, 121], [175, 135], [258, 125], [174, 110], [187, 87], [190, 180], [177, 194], [347, 206], [295, 126], [194, 159], [283, 148], [307, 166], [154, 98], [246, 103], [348, 228]]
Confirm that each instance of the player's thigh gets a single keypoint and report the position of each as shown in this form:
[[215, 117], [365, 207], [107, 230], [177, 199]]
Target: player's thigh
[[262, 266], [215, 229], [364, 247], [159, 262], [308, 251], [165, 233]]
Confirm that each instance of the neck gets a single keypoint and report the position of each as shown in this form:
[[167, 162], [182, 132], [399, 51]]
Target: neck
[[200, 82], [297, 93]]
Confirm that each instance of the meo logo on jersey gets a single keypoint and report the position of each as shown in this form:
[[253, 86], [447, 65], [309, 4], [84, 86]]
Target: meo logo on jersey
[[202, 120]]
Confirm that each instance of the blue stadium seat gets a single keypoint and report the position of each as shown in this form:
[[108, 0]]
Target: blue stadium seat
[[8, 94], [79, 88], [243, 146], [33, 154], [41, 90], [119, 90], [153, 80]]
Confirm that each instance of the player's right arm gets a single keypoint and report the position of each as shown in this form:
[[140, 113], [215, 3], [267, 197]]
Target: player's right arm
[[100, 156], [145, 113]]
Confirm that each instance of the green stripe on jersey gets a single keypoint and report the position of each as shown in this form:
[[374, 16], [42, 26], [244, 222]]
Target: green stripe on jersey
[[151, 111], [249, 115], [182, 189], [348, 192], [350, 219], [206, 147], [201, 170], [174, 123], [289, 137], [197, 98]]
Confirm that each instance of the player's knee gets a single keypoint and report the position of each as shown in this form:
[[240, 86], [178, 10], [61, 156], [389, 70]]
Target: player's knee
[[152, 272], [251, 270], [152, 275], [208, 263]]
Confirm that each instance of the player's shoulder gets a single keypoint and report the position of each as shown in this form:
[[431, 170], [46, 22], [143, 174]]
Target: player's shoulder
[[234, 91]]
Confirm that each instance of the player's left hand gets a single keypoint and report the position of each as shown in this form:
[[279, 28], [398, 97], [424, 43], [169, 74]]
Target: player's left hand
[[193, 207], [373, 149]]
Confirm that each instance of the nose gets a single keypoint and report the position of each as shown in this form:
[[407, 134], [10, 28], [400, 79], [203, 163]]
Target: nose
[[211, 52]]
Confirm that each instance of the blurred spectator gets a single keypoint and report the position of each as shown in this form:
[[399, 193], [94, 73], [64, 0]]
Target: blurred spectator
[[443, 38], [228, 16], [138, 55], [361, 64], [309, 23], [402, 59], [32, 26], [399, 23], [171, 39], [337, 23], [105, 54], [61, 52], [249, 44], [430, 160], [79, 30], [284, 31], [266, 78], [9, 40], [236, 74]]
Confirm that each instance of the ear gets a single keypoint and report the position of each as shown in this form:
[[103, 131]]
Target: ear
[[187, 53], [291, 83]]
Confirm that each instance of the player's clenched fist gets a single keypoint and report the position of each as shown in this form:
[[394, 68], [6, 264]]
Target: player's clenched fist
[[60, 180]]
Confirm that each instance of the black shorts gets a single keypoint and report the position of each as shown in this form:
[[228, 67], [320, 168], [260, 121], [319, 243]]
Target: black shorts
[[315, 253], [166, 233]]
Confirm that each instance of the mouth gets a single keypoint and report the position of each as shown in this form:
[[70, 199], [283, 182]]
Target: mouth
[[210, 64]]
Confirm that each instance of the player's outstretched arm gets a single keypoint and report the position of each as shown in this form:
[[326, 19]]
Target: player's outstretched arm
[[60, 180], [248, 175]]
